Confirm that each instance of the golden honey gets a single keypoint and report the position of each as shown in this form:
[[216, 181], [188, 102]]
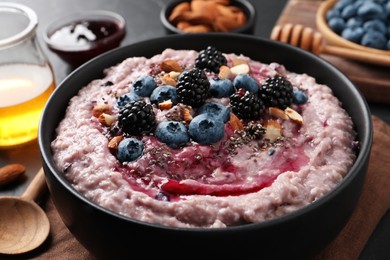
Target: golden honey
[[24, 90]]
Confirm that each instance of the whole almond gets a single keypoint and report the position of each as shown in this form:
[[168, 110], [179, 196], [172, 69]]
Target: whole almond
[[197, 29], [10, 173], [178, 10], [170, 65]]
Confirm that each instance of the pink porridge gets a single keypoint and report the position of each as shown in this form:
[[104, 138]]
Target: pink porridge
[[204, 139]]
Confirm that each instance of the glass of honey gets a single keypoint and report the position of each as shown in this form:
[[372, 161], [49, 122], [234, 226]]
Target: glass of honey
[[26, 76]]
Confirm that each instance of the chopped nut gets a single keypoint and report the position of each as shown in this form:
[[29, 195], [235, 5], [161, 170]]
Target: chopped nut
[[277, 112], [224, 72], [273, 130], [174, 74], [100, 109], [240, 69], [235, 122], [238, 61], [106, 119], [165, 105], [187, 115], [294, 115], [168, 80], [114, 142]]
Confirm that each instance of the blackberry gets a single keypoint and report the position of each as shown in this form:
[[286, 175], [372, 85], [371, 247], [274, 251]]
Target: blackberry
[[193, 87], [210, 59], [246, 105], [276, 92], [136, 118]]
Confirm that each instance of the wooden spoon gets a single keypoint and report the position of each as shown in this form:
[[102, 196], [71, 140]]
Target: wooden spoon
[[23, 224], [310, 40]]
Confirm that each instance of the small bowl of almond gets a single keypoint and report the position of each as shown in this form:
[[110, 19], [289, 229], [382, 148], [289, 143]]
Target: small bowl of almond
[[203, 16]]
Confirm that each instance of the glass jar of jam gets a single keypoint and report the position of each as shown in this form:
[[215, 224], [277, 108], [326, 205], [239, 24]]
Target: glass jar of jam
[[26, 76]]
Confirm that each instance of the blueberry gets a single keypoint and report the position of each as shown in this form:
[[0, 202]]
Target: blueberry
[[299, 97], [220, 88], [172, 133], [129, 149], [354, 22], [164, 93], [353, 34], [341, 4], [144, 86], [370, 10], [359, 3], [247, 82], [333, 13], [375, 25], [374, 39], [388, 45], [349, 11], [205, 129], [337, 24], [127, 98], [387, 8], [216, 110]]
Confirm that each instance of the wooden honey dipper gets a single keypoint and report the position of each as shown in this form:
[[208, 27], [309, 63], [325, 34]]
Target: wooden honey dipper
[[310, 40]]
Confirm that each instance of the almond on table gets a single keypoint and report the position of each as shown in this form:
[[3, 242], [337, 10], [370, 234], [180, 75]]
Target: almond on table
[[10, 173]]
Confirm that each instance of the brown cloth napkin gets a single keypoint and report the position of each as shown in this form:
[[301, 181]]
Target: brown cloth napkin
[[372, 205]]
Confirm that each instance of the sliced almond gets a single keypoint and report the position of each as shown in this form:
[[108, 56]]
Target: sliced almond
[[224, 72], [170, 65], [277, 112], [294, 115], [235, 122], [273, 130], [240, 69], [10, 173]]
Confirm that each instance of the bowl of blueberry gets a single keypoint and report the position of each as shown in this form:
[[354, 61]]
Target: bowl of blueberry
[[356, 24]]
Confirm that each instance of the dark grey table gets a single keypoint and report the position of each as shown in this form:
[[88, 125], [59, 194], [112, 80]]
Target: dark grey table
[[143, 23]]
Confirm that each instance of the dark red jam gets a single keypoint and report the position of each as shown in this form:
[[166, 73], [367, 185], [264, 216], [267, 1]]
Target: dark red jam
[[84, 32], [82, 40]]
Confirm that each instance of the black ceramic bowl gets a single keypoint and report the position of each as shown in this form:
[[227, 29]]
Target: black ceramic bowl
[[299, 234], [246, 6]]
